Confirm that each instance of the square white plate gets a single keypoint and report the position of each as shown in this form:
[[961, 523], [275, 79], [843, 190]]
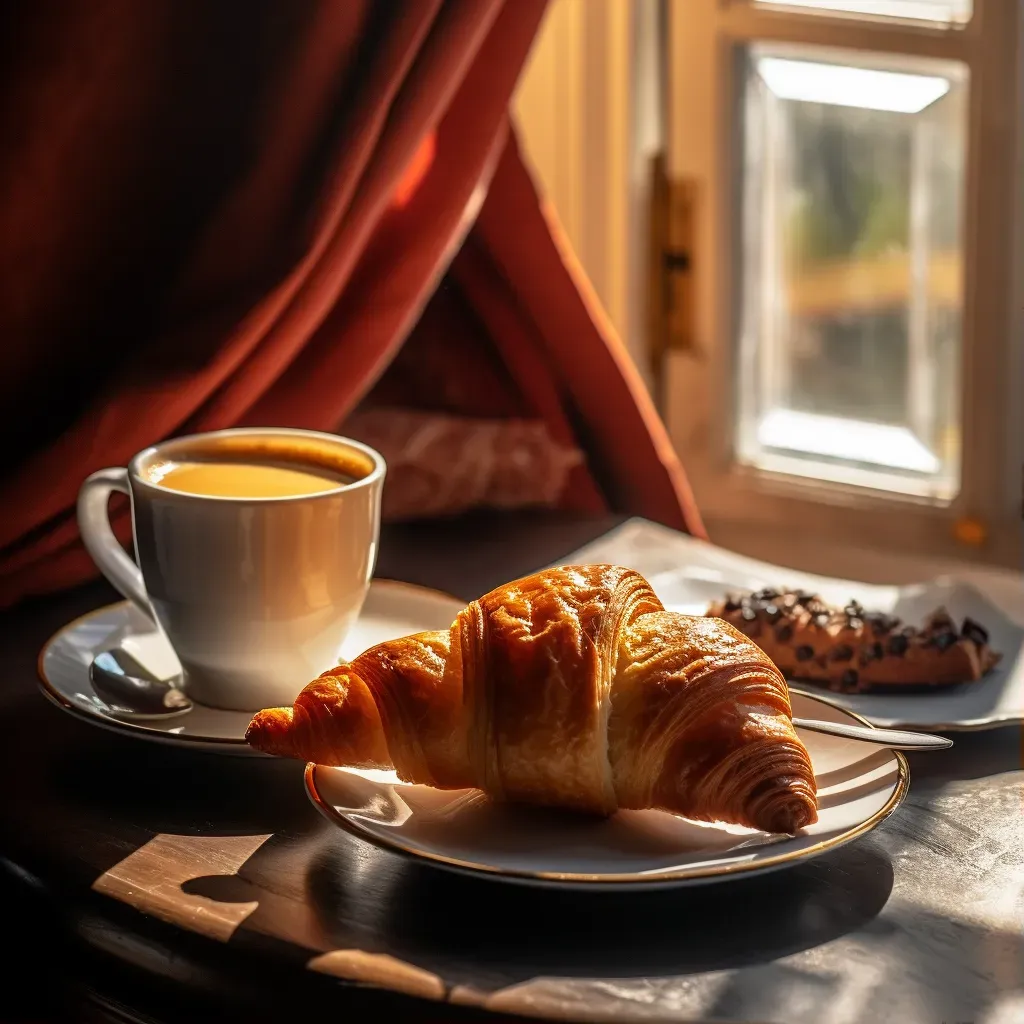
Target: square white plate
[[687, 574]]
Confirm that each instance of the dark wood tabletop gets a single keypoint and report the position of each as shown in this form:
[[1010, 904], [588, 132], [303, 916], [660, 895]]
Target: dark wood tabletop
[[142, 882]]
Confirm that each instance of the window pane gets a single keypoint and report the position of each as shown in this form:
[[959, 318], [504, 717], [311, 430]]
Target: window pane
[[947, 12], [852, 268]]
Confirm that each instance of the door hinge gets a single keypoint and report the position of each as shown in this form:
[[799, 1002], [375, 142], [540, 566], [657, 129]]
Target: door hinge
[[672, 265]]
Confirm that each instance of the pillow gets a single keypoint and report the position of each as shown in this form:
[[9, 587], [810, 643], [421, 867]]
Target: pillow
[[441, 465]]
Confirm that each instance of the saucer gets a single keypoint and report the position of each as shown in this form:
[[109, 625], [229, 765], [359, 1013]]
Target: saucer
[[391, 610], [859, 785]]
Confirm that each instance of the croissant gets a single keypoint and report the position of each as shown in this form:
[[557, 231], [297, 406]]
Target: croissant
[[572, 688]]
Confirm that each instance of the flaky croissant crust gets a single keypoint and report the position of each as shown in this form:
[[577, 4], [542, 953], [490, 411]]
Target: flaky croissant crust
[[573, 688]]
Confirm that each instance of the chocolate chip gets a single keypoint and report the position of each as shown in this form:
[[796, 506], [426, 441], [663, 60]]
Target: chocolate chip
[[854, 623], [748, 614], [805, 597], [870, 653], [784, 633], [849, 677], [882, 623], [766, 594], [945, 640], [772, 611], [844, 652], [804, 652], [821, 620], [972, 631], [731, 605], [854, 609], [898, 644]]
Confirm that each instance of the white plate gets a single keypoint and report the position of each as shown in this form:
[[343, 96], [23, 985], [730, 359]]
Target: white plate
[[859, 785], [687, 574], [391, 610]]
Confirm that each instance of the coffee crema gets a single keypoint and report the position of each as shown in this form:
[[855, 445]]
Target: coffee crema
[[223, 479]]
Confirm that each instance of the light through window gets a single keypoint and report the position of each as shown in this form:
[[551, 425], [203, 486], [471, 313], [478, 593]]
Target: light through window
[[945, 12], [852, 268]]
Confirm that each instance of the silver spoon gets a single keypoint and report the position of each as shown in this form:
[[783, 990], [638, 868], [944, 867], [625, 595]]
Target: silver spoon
[[896, 739], [132, 691]]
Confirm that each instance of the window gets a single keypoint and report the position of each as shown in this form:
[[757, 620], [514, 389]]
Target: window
[[852, 185], [852, 164], [947, 12]]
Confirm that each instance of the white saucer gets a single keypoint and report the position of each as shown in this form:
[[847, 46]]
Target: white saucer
[[391, 610], [859, 786]]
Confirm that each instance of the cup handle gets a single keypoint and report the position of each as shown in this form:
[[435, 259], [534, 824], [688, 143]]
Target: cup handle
[[99, 539]]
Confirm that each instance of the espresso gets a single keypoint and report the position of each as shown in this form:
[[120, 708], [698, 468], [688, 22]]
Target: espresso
[[243, 479]]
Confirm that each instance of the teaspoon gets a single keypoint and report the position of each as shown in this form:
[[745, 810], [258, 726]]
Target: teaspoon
[[895, 739], [131, 690]]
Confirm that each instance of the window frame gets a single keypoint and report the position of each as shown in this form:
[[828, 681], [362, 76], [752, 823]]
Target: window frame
[[705, 40]]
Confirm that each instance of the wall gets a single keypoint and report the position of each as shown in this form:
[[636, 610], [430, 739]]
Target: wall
[[576, 110]]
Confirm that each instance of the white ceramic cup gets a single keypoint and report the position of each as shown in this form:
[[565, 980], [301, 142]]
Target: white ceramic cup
[[255, 595]]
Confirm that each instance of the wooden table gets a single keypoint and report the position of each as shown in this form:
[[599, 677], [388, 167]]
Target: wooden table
[[144, 882]]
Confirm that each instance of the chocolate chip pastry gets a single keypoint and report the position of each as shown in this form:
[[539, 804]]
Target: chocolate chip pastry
[[852, 650]]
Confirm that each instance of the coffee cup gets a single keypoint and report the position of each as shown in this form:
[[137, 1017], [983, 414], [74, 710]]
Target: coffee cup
[[254, 550]]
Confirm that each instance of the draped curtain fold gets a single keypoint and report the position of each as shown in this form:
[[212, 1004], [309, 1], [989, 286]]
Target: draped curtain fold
[[225, 214]]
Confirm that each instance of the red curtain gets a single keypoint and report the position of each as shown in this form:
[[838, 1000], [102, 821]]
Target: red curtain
[[239, 213]]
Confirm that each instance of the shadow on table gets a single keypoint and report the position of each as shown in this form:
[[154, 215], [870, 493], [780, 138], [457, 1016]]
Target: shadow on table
[[465, 929], [975, 755], [166, 789], [728, 947], [492, 936]]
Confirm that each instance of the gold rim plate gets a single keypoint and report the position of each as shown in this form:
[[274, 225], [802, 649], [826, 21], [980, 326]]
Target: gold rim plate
[[687, 875]]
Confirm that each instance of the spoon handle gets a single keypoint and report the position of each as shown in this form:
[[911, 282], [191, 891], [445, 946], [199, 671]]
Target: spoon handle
[[895, 738]]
